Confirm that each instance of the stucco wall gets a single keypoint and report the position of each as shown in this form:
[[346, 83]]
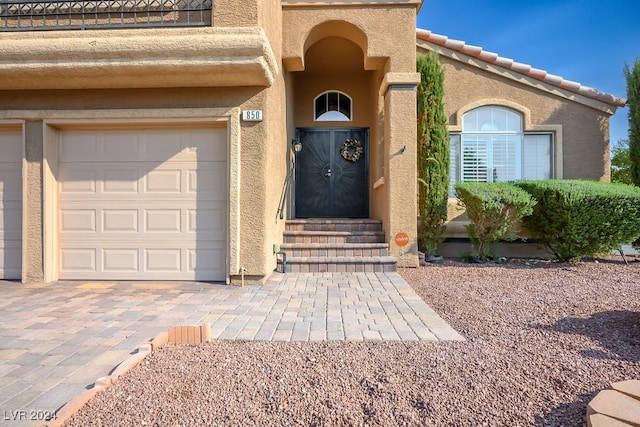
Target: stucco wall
[[32, 203], [127, 98], [235, 13], [379, 207], [390, 32]]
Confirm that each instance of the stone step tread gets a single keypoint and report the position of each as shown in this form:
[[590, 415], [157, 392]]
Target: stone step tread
[[345, 246], [333, 224], [334, 221], [342, 260], [332, 233]]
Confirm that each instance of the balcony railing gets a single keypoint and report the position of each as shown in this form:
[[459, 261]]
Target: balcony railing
[[29, 15]]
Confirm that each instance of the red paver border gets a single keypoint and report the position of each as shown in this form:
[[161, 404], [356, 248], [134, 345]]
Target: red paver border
[[179, 335]]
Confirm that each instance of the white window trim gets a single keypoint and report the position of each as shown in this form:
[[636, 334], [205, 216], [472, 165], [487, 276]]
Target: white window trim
[[340, 93], [527, 128]]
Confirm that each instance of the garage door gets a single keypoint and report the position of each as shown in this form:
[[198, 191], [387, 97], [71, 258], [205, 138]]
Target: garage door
[[10, 204], [142, 204]]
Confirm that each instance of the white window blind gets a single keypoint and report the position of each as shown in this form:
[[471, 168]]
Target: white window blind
[[537, 156], [493, 147], [489, 158], [506, 158], [475, 156], [455, 163]]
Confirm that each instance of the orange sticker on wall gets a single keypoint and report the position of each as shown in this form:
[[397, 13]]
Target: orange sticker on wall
[[402, 239]]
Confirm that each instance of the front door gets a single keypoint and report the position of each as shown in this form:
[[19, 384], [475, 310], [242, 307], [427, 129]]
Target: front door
[[332, 173]]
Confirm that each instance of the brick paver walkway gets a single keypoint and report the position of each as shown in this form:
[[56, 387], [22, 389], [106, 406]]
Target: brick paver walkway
[[56, 339]]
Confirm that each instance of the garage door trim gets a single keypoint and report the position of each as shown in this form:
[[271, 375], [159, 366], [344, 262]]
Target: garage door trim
[[217, 118]]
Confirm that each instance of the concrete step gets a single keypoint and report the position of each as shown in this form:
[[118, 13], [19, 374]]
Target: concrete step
[[340, 264], [335, 245], [334, 224], [335, 249], [333, 237]]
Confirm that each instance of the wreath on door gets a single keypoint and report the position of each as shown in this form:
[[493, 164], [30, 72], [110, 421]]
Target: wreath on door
[[351, 150]]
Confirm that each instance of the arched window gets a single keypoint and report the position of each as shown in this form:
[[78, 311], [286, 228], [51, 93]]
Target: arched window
[[494, 147], [332, 106]]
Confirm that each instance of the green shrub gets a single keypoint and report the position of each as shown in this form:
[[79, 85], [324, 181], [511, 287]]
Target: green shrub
[[582, 218], [494, 209]]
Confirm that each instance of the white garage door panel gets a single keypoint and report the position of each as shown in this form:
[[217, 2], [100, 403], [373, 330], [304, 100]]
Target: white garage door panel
[[10, 204], [147, 145], [148, 219], [152, 181], [151, 221], [155, 262]]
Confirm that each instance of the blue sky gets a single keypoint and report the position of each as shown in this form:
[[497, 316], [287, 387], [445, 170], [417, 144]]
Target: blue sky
[[587, 41]]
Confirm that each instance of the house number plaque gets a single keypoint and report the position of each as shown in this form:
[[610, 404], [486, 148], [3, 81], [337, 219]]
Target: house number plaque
[[252, 115]]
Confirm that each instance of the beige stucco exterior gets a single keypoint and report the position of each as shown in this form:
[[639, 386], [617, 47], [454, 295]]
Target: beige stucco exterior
[[257, 55], [276, 56]]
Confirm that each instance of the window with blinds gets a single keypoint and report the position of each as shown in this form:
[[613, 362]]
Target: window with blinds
[[493, 147]]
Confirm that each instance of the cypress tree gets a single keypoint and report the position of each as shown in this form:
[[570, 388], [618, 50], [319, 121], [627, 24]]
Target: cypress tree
[[433, 154], [633, 102]]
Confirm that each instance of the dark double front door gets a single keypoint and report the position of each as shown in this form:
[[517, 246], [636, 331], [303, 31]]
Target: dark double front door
[[327, 184]]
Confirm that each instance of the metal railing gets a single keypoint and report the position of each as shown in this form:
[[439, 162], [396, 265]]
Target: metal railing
[[285, 193], [31, 15]]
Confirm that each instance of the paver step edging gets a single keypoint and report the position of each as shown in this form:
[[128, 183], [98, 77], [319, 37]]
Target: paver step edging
[[326, 245], [333, 221], [179, 335], [619, 405], [334, 249], [342, 260], [332, 233], [339, 264], [334, 224]]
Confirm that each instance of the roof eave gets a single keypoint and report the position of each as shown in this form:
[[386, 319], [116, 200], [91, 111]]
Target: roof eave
[[475, 55]]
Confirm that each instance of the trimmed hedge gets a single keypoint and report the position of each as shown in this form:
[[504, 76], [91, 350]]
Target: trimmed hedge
[[494, 209], [581, 218]]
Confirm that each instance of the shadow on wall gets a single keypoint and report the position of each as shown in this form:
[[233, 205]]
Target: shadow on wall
[[585, 141], [618, 332]]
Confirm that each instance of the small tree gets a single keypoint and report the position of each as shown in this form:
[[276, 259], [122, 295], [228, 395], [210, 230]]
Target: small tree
[[433, 154], [633, 101], [621, 163], [495, 208]]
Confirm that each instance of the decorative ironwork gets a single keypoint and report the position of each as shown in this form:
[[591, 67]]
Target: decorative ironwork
[[327, 185], [79, 15]]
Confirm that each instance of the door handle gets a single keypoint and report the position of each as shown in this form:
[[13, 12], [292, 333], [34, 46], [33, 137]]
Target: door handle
[[328, 173]]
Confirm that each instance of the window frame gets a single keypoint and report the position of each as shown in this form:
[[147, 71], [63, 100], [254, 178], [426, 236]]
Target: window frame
[[347, 117], [457, 134]]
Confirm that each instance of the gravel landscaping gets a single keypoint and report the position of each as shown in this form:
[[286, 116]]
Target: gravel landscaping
[[541, 340]]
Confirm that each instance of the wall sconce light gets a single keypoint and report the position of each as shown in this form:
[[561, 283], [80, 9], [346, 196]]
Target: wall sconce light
[[297, 145]]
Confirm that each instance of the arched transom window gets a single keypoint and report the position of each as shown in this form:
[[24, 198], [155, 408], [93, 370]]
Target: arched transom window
[[332, 106], [493, 146]]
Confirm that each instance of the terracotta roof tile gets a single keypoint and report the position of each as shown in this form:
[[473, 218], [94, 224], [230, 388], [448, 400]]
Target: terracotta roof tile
[[518, 67]]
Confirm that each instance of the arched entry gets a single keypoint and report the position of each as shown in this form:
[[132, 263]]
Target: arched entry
[[335, 101]]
